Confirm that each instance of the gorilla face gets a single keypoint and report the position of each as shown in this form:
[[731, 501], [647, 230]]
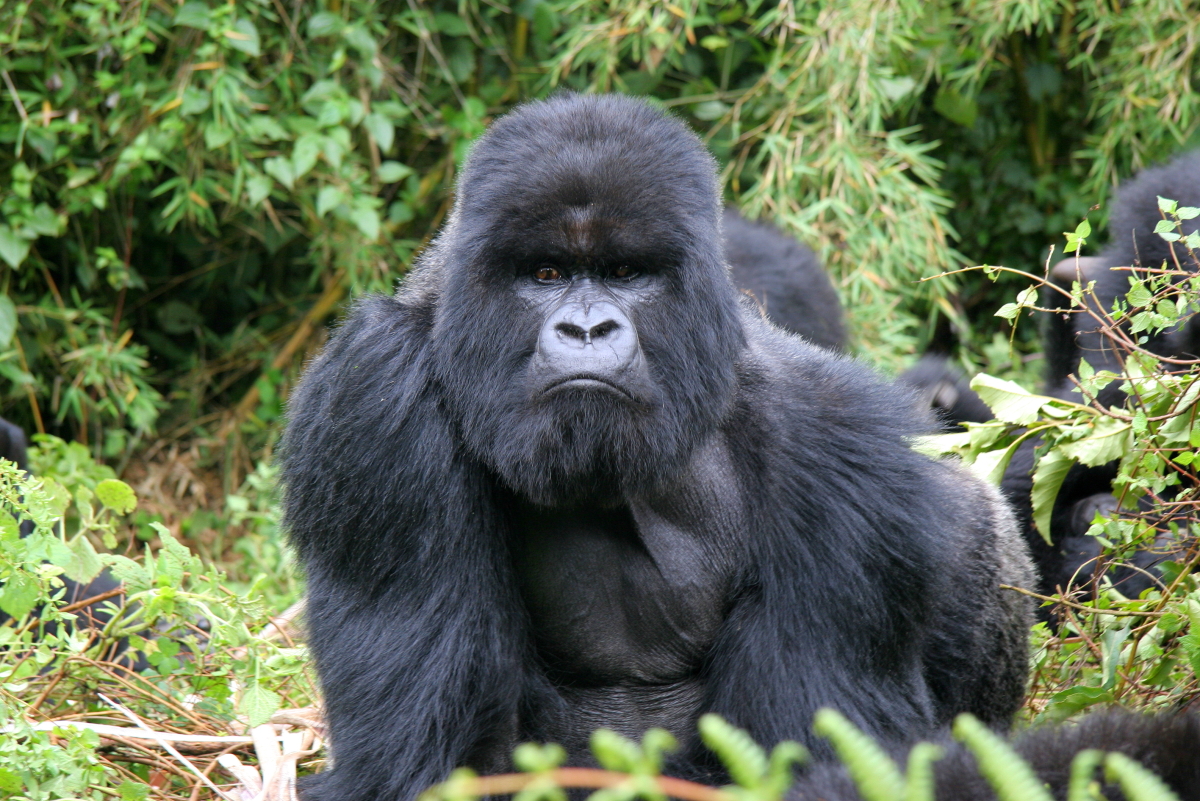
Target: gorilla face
[[608, 335]]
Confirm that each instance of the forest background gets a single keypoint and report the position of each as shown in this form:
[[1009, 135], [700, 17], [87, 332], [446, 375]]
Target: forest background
[[193, 190]]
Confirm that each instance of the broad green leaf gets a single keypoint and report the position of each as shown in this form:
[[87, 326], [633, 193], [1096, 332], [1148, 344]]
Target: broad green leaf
[[258, 704], [258, 186], [1166, 205], [133, 791], [304, 154], [392, 171], [194, 14], [84, 564], [366, 220], [328, 198], [955, 106], [1187, 212], [10, 529], [382, 129], [1047, 481], [243, 37], [116, 495], [324, 23], [1010, 402], [1110, 440], [13, 248], [19, 595], [281, 169]]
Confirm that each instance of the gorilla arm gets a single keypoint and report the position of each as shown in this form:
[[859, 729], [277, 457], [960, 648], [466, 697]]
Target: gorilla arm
[[903, 623], [410, 616]]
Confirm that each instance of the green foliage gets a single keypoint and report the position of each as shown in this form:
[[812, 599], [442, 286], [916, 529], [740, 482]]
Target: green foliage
[[187, 179], [50, 669], [1113, 648]]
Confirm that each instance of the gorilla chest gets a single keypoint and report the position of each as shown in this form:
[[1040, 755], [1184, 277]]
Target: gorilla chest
[[617, 596]]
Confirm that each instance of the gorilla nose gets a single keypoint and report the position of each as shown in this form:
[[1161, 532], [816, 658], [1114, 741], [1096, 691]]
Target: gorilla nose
[[581, 338]]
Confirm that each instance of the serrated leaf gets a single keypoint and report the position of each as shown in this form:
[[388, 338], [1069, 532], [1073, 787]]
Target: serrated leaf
[[1139, 296], [135, 577], [84, 564], [1047, 481], [243, 37], [1110, 440], [133, 791], [1010, 402], [116, 495], [258, 704], [1162, 226], [18, 596], [1166, 205], [10, 529]]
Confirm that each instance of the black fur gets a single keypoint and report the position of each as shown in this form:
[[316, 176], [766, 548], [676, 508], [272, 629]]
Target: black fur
[[944, 388], [1166, 745], [720, 517], [785, 279], [1068, 338]]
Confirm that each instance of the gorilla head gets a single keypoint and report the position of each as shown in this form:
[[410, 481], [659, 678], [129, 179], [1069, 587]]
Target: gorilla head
[[584, 226]]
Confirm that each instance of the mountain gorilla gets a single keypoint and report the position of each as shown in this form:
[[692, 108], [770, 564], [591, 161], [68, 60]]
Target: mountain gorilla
[[565, 479], [1070, 338], [785, 279]]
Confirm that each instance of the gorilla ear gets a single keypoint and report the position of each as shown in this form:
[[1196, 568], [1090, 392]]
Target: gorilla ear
[[1085, 268]]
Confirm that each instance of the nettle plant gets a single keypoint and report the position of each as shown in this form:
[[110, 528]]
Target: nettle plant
[[1108, 646]]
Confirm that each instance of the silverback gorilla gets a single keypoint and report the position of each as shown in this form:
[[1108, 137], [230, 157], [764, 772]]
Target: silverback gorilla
[[566, 479]]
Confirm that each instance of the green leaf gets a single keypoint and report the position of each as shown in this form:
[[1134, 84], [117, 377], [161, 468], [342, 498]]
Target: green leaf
[[258, 704], [13, 248], [1139, 296], [10, 529], [324, 23], [84, 564], [366, 220], [19, 595], [955, 106], [1187, 212], [714, 43], [1083, 768], [328, 198], [1010, 402], [304, 154], [133, 791], [243, 37], [8, 320], [281, 169], [1166, 205], [116, 495], [194, 15], [392, 171], [1110, 440], [1047, 481], [258, 186], [381, 129], [10, 782]]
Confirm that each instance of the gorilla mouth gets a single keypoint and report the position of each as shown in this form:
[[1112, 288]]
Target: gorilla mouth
[[588, 382]]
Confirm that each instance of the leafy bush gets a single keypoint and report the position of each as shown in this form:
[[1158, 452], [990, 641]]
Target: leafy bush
[[196, 186]]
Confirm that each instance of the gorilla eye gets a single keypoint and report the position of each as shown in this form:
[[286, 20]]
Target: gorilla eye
[[624, 271], [547, 273]]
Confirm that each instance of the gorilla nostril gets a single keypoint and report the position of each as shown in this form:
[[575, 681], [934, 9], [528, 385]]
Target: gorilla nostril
[[571, 330], [603, 329]]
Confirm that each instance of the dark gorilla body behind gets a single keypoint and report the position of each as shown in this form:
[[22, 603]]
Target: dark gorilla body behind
[[565, 479]]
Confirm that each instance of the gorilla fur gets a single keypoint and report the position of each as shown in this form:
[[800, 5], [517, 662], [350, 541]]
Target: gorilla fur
[[1068, 338], [565, 478], [1166, 745], [785, 279]]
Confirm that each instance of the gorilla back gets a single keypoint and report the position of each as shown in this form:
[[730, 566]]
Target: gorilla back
[[563, 480]]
